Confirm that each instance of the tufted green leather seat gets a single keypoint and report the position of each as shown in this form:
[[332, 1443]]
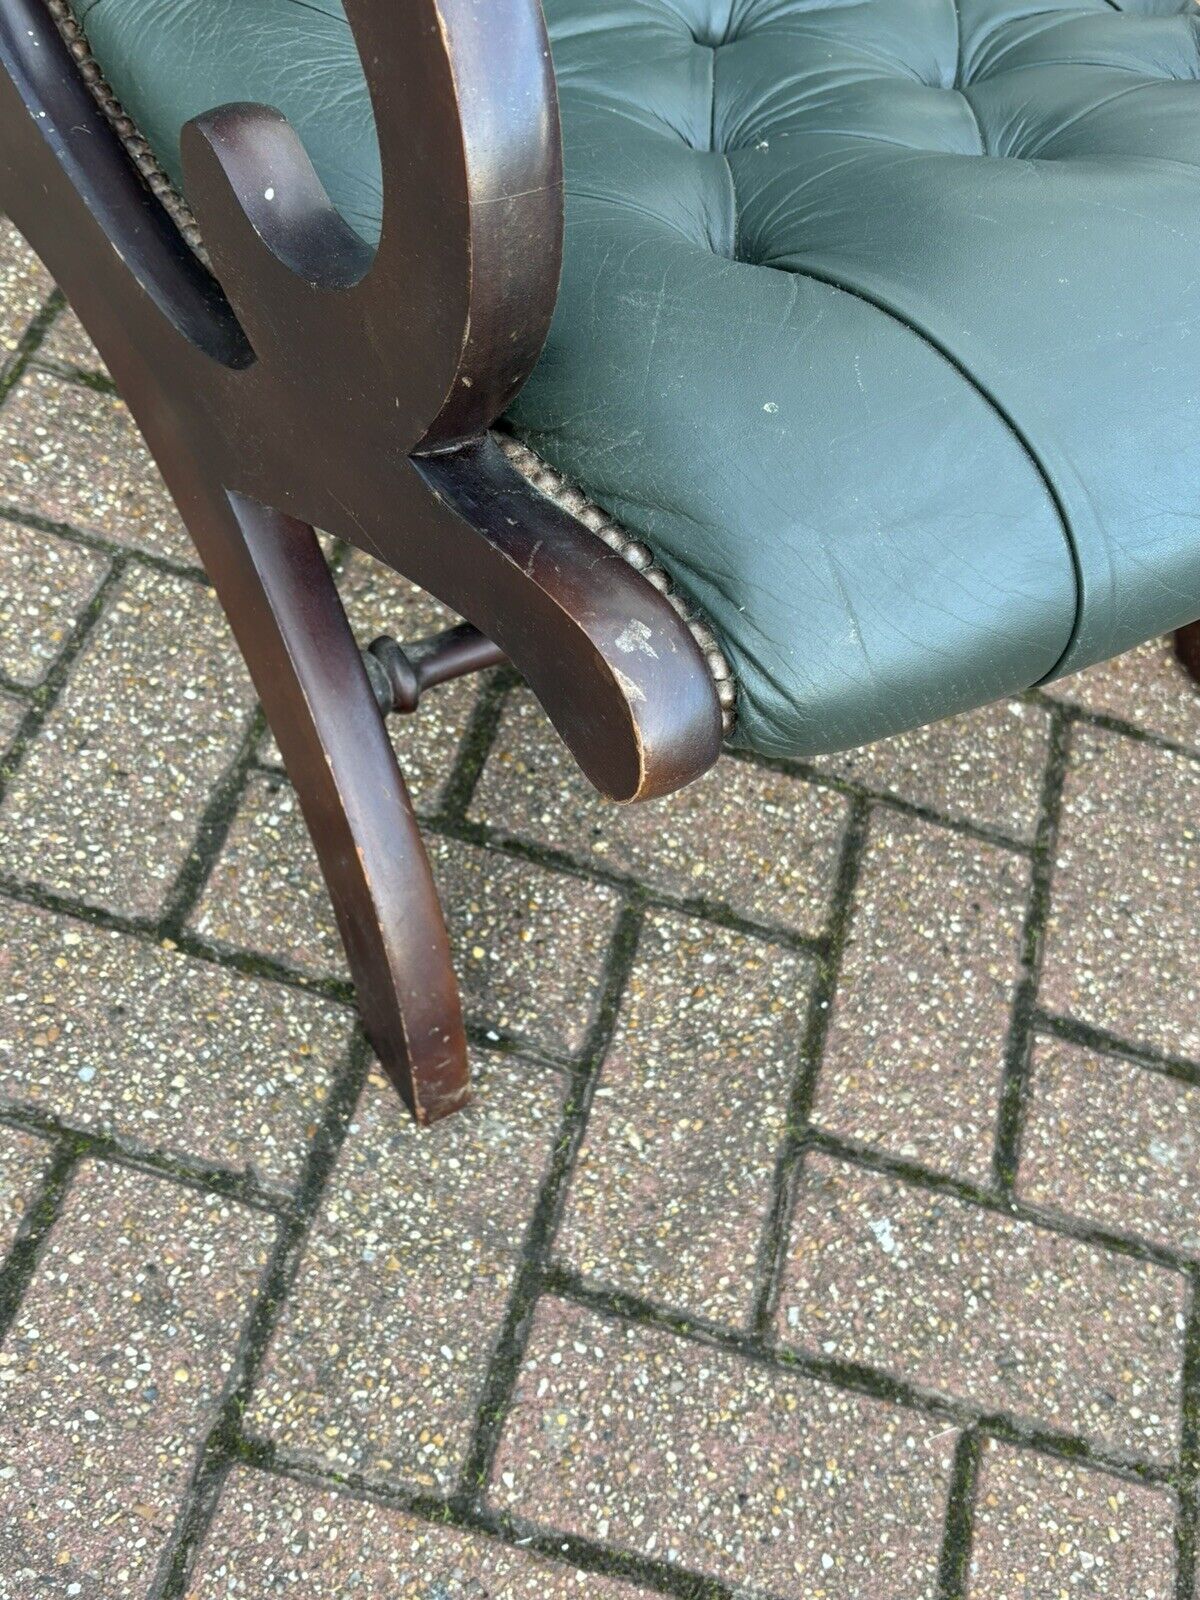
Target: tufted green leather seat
[[880, 319]]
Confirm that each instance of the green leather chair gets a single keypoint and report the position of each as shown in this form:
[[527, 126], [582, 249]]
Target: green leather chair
[[877, 337], [877, 322]]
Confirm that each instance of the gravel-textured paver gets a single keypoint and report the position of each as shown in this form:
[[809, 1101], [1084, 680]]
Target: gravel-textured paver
[[128, 1038], [45, 582], [1121, 950], [1114, 1143], [272, 1536], [915, 1056], [1146, 687], [763, 844], [800, 1244], [265, 892], [74, 455], [643, 1441], [670, 1193], [24, 1160], [381, 1355], [12, 712], [978, 1307], [107, 801], [984, 768], [24, 288], [1047, 1529], [112, 1374]]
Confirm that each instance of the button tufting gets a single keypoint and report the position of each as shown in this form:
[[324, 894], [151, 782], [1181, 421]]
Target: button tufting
[[914, 429]]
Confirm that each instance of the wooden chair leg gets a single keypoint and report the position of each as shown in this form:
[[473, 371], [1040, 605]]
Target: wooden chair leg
[[273, 581], [1187, 649], [356, 389]]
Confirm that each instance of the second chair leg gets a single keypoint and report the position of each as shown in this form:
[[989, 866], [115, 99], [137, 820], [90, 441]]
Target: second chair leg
[[1187, 648], [275, 585]]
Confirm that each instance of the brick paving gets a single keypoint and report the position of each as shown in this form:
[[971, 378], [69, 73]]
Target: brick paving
[[827, 1224]]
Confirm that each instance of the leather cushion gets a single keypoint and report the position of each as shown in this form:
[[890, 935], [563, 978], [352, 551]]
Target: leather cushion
[[877, 318]]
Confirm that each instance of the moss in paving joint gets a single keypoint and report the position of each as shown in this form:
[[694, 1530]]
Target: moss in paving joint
[[1014, 1090], [81, 377], [183, 570], [869, 1159], [501, 1377], [39, 1219], [486, 836], [211, 832], [1181, 1068], [222, 1446], [563, 1549], [853, 1377], [1109, 723], [45, 697], [884, 799], [1187, 1521], [954, 1569], [204, 1176], [773, 1245], [35, 332]]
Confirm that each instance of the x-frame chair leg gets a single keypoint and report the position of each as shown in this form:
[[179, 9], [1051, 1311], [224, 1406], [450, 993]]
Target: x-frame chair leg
[[273, 580], [328, 384]]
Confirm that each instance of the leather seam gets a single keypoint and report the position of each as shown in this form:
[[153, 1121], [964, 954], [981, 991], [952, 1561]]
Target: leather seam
[[960, 88], [1002, 415]]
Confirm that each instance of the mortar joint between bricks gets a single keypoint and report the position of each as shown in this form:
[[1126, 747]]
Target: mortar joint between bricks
[[221, 1445]]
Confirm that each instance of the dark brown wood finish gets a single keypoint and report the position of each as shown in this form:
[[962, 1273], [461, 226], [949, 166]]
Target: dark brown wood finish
[[1187, 649], [315, 382]]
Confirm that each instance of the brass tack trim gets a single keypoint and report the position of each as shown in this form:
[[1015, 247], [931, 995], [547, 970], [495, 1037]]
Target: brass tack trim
[[639, 556]]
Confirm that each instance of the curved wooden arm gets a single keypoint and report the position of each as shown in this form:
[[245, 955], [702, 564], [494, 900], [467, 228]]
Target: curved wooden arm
[[441, 325], [352, 389]]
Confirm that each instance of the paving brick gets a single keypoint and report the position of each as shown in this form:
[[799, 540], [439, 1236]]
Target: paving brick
[[635, 1438], [266, 893], [69, 344], [117, 1035], [1113, 1143], [271, 1535], [914, 1057], [1146, 687], [45, 583], [73, 455], [1045, 1529], [763, 844], [985, 767], [23, 1163], [24, 286], [1120, 947], [672, 1188], [113, 1373], [378, 1364], [379, 601], [107, 801], [976, 1306], [528, 943]]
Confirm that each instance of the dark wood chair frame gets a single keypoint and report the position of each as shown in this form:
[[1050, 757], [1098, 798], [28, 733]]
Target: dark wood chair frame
[[294, 378], [307, 380]]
